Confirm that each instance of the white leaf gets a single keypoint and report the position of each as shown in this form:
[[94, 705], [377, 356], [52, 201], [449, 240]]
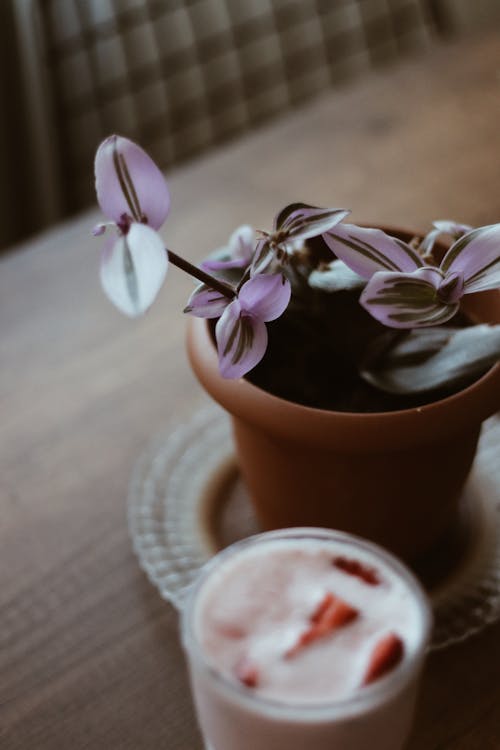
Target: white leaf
[[133, 269]]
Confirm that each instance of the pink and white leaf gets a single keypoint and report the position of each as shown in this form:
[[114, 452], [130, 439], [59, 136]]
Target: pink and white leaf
[[453, 228], [241, 341], [133, 269], [265, 296], [451, 288], [443, 226], [407, 300], [367, 251], [206, 303], [263, 259], [305, 221], [237, 254], [129, 184], [476, 257]]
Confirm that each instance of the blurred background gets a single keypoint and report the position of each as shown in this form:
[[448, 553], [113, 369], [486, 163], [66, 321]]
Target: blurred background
[[179, 77]]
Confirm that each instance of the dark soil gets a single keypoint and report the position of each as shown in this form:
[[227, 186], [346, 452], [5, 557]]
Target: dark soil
[[317, 363]]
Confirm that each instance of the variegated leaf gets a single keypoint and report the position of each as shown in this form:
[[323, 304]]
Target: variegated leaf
[[367, 251], [476, 257], [133, 269], [442, 226], [241, 341], [453, 228], [263, 259], [401, 300], [433, 358], [300, 221], [129, 183], [206, 303]]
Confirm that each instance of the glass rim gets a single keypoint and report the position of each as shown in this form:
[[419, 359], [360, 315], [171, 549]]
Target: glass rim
[[371, 695]]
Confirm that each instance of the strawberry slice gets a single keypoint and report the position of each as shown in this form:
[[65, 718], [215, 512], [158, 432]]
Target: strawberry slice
[[233, 632], [246, 672], [386, 655], [330, 614], [355, 568], [322, 608]]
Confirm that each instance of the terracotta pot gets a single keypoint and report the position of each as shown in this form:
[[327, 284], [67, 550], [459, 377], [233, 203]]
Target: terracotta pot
[[392, 477]]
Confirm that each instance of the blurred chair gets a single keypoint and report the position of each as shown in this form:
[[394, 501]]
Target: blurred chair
[[180, 76], [463, 16]]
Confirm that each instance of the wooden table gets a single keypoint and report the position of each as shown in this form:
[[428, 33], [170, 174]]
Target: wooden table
[[89, 654]]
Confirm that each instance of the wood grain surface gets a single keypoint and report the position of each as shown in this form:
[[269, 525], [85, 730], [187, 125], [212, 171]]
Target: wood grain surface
[[89, 653]]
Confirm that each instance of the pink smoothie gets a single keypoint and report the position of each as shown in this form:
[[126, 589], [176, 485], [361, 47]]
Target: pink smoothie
[[306, 637]]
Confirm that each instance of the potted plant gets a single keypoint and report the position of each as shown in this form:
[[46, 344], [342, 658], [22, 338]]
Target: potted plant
[[357, 363]]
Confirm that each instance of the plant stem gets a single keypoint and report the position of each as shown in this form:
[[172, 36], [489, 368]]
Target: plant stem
[[205, 278]]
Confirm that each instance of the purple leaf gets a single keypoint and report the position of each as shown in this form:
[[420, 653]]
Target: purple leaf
[[263, 257], [476, 257], [265, 296], [443, 226], [367, 251], [206, 303], [237, 254], [304, 221], [129, 184], [452, 227], [451, 288], [241, 341], [429, 241], [133, 269], [223, 265], [407, 300]]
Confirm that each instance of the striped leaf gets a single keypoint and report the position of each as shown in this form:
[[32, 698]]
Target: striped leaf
[[241, 332], [367, 251], [299, 221], [241, 341], [263, 257], [133, 269], [129, 184], [400, 300], [433, 358], [443, 226], [476, 257], [206, 303]]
